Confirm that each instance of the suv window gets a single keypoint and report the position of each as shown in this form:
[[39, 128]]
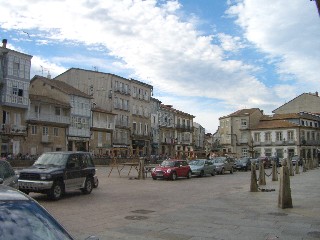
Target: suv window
[[73, 162]]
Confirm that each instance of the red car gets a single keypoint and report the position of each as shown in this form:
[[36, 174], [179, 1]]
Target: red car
[[171, 169]]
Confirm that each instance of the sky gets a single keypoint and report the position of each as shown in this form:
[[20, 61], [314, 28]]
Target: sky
[[208, 58]]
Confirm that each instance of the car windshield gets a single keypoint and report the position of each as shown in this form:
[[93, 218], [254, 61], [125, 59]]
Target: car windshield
[[243, 160], [167, 164], [196, 162], [219, 160], [56, 159], [25, 220]]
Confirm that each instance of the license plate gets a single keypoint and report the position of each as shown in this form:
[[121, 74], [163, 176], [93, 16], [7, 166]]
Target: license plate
[[159, 174]]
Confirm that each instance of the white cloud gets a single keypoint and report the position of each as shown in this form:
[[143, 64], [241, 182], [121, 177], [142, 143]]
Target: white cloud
[[150, 39], [288, 32]]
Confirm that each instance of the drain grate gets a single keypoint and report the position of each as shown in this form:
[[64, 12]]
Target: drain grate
[[278, 214], [136, 217], [142, 211], [314, 234]]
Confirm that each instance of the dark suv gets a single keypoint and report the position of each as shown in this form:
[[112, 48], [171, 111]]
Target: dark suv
[[53, 173]]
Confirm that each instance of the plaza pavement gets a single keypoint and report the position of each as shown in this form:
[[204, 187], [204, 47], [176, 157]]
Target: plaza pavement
[[219, 207]]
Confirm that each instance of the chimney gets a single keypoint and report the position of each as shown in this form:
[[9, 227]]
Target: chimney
[[4, 43]]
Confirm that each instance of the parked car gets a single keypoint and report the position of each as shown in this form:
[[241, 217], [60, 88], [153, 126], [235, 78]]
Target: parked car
[[202, 167], [171, 169], [266, 162], [296, 159], [23, 218], [7, 174], [243, 164], [54, 173], [223, 164]]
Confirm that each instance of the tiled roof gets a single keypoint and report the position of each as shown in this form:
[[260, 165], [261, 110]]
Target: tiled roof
[[242, 112], [62, 86], [171, 109], [272, 124], [45, 99]]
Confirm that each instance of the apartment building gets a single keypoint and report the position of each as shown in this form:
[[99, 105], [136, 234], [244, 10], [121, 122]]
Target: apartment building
[[176, 132], [234, 131], [155, 131], [199, 139], [128, 99], [286, 135], [305, 102], [70, 117], [14, 97], [103, 125]]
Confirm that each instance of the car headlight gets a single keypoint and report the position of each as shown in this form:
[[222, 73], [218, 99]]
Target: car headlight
[[169, 170], [45, 176]]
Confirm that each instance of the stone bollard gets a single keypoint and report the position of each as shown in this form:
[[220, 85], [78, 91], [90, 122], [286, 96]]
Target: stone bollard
[[253, 184], [284, 198], [274, 171], [311, 164], [304, 169], [141, 169], [290, 165], [297, 167], [262, 177]]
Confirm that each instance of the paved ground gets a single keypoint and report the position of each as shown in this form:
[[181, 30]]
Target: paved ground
[[219, 207]]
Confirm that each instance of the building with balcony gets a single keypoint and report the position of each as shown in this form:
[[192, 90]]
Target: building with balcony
[[155, 130], [286, 135], [199, 140], [128, 99], [176, 132], [14, 98], [103, 125], [61, 111]]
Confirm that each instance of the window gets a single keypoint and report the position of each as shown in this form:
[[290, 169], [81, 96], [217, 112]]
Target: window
[[45, 130], [243, 123], [290, 136], [279, 153], [279, 136], [57, 111], [244, 152], [267, 137], [16, 69], [267, 152], [56, 132], [257, 137], [33, 130]]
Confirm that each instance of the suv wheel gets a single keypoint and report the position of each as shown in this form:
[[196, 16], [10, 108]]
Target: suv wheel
[[56, 191], [222, 171], [213, 172], [231, 170], [174, 176], [88, 186]]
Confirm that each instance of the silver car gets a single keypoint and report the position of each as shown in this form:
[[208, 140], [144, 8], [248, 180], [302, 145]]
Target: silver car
[[7, 174], [202, 167], [223, 164]]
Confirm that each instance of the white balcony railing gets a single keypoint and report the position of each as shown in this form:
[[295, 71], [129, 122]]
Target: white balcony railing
[[49, 118]]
